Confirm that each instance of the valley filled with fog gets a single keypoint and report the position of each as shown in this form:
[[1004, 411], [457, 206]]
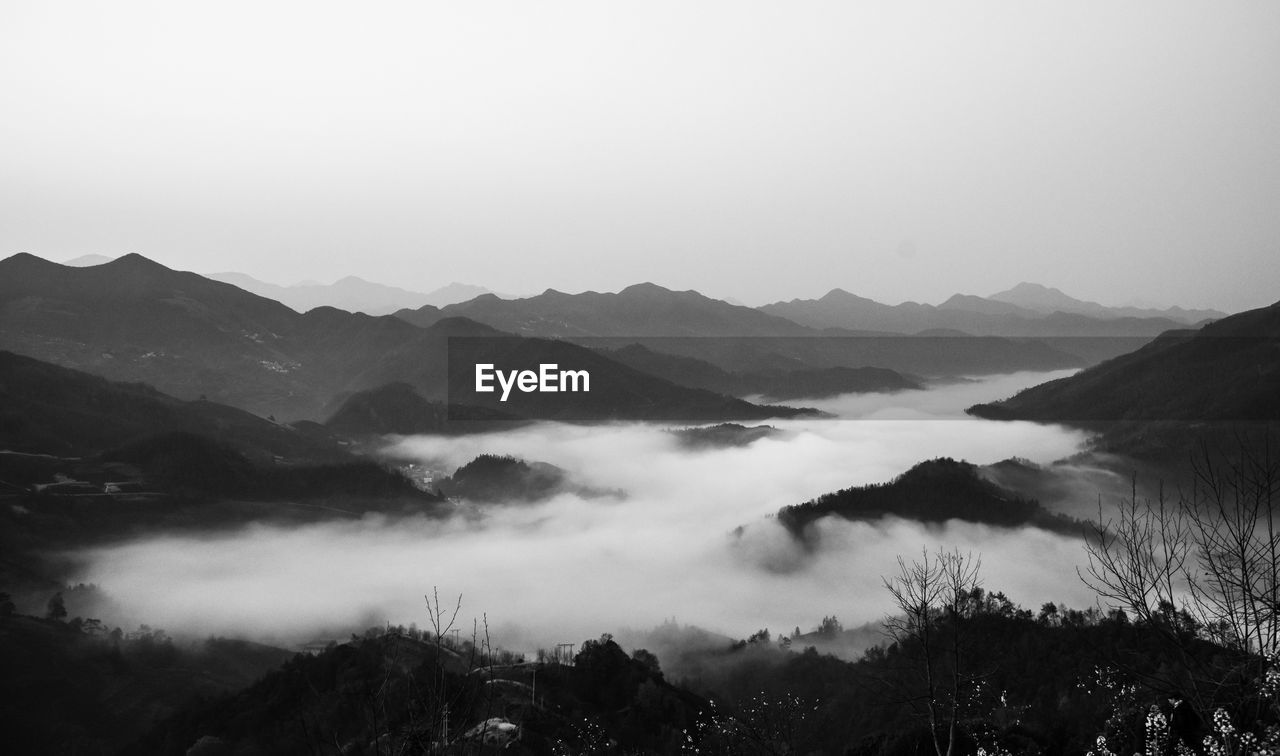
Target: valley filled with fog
[[684, 534]]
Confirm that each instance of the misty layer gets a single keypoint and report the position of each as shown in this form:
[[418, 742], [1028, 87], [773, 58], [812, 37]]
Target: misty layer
[[572, 567]]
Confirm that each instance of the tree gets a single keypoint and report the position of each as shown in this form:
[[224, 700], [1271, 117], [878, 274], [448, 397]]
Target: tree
[[1203, 573], [57, 608], [933, 597]]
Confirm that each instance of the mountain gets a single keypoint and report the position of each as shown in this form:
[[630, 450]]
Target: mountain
[[352, 294], [135, 320], [640, 310], [1228, 370], [1045, 299]]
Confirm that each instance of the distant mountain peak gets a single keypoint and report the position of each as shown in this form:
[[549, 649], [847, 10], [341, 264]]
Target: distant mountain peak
[[840, 295], [87, 261], [1029, 286], [646, 287]]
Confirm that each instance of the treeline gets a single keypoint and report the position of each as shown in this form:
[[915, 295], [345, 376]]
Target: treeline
[[1045, 682], [77, 686]]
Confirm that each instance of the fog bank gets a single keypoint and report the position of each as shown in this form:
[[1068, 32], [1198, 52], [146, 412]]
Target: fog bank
[[570, 568]]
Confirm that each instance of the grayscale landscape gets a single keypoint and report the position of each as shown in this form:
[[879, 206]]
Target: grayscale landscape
[[575, 378]]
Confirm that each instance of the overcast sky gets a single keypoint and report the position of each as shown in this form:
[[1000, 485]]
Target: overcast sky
[[1120, 151]]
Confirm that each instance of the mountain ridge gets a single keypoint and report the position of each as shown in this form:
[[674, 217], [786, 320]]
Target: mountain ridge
[[1228, 370]]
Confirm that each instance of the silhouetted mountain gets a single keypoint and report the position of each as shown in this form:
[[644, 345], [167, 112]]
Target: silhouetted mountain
[[640, 310], [934, 491], [1045, 299], [1227, 370], [352, 294]]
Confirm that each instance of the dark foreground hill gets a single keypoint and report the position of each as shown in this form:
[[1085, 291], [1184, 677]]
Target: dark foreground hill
[[83, 688], [402, 692], [1044, 683]]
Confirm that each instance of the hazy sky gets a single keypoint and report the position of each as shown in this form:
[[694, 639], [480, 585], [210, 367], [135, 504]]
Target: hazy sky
[[762, 151]]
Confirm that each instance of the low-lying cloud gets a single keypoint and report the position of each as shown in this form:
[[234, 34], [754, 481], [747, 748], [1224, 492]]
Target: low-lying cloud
[[570, 568]]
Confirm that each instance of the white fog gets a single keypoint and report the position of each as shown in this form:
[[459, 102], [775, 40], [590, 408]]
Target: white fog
[[571, 568]]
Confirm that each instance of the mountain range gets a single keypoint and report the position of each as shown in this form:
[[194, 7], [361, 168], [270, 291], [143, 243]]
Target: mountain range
[[648, 313], [352, 294], [1025, 310], [1047, 300], [131, 319], [135, 320]]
